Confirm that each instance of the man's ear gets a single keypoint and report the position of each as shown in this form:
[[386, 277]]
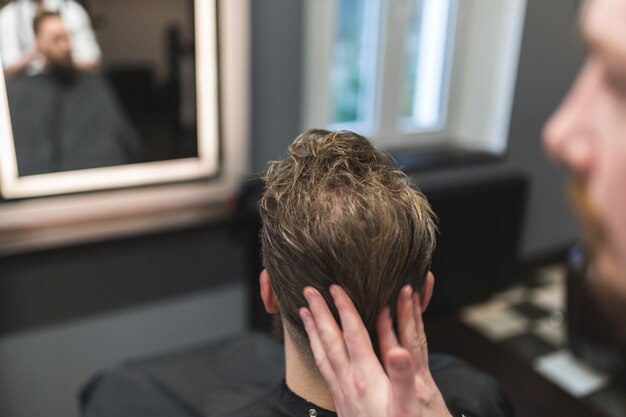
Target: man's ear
[[267, 293], [427, 291]]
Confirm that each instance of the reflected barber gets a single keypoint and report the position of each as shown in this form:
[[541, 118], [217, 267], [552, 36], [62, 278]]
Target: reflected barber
[[18, 48]]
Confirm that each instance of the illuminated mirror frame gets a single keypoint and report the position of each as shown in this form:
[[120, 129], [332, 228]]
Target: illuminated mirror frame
[[205, 165]]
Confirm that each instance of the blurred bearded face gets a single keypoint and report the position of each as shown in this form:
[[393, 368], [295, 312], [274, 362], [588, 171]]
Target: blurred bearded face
[[53, 42], [588, 135]]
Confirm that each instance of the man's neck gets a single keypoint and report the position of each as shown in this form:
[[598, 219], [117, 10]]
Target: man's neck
[[303, 381]]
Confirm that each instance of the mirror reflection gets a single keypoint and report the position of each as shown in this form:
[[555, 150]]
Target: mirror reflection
[[99, 83]]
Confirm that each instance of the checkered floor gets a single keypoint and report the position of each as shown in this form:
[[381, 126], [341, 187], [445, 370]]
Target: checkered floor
[[531, 322]]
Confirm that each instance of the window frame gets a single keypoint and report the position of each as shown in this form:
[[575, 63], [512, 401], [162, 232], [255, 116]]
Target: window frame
[[472, 23]]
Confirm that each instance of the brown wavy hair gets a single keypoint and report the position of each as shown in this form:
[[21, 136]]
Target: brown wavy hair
[[42, 15], [337, 210]]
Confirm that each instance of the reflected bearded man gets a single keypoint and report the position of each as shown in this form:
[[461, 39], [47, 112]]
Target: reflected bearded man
[[66, 118], [337, 211], [53, 42]]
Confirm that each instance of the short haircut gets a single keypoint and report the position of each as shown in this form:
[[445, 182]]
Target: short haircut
[[337, 210], [42, 15]]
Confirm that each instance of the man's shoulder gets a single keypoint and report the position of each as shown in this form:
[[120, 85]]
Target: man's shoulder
[[466, 389], [264, 406], [257, 409]]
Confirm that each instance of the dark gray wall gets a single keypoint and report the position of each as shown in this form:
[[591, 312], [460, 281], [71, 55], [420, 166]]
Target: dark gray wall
[[65, 314], [45, 288], [550, 59], [276, 77]]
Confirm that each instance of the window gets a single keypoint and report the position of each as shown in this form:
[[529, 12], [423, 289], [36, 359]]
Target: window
[[425, 68], [413, 72], [353, 66]]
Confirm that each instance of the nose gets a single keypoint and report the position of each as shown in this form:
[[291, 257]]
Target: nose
[[568, 144], [568, 135]]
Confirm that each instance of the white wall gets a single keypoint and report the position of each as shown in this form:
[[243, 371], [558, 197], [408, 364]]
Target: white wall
[[132, 32]]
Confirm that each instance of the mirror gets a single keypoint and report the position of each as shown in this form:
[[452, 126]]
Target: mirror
[[103, 94]]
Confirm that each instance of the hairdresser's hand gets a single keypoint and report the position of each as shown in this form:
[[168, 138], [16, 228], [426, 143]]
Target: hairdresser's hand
[[356, 379], [25, 60]]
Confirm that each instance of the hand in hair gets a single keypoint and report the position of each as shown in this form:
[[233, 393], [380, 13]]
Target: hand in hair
[[359, 385], [22, 63]]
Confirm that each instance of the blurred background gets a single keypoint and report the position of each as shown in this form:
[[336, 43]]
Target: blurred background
[[457, 91]]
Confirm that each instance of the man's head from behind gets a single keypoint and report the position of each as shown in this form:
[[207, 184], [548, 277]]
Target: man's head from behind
[[53, 40], [338, 211]]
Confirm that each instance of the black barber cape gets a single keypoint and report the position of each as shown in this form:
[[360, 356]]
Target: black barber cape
[[467, 392], [241, 377], [69, 124]]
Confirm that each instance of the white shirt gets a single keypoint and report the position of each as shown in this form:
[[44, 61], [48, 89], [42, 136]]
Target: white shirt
[[17, 36]]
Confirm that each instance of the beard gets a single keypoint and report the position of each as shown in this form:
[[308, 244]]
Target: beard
[[604, 279], [62, 69], [594, 234]]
